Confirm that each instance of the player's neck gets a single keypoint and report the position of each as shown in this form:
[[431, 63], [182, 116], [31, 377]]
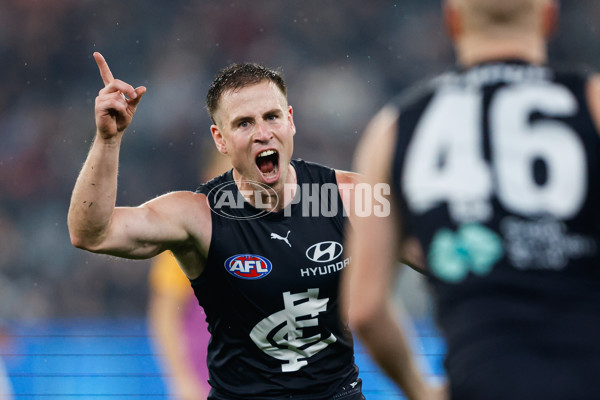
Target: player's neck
[[273, 198], [472, 50]]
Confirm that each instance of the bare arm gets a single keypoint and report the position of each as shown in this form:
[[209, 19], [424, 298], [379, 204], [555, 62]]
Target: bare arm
[[407, 252], [95, 224], [593, 98], [367, 284]]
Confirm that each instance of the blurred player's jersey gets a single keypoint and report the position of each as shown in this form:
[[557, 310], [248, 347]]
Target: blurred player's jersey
[[270, 292], [167, 278], [497, 168]]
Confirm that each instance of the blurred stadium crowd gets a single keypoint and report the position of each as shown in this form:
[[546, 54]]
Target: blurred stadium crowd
[[342, 60]]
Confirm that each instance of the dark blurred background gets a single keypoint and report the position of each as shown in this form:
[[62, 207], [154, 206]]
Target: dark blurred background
[[342, 61]]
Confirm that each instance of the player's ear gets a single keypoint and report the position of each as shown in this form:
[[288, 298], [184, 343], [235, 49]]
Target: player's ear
[[291, 118], [452, 20], [219, 139], [550, 18]]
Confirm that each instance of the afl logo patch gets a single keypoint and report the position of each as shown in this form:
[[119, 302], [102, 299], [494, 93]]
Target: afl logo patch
[[248, 266], [324, 251]]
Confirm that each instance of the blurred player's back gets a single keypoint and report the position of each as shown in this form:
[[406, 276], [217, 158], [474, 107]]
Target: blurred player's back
[[501, 185], [496, 167]]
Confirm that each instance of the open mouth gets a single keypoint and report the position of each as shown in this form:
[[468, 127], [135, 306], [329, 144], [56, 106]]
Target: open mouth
[[268, 163]]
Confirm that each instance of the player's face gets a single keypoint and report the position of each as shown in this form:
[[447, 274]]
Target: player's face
[[255, 127]]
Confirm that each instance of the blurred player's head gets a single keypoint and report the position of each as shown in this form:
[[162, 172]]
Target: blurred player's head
[[529, 22]]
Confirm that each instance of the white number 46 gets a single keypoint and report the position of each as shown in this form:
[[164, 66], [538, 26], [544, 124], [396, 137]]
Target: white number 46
[[445, 161]]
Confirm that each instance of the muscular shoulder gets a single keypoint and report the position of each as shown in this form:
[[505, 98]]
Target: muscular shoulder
[[347, 177]]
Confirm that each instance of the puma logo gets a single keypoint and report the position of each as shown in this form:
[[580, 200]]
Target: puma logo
[[285, 239]]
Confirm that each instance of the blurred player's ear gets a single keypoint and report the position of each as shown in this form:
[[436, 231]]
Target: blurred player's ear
[[452, 20], [550, 18]]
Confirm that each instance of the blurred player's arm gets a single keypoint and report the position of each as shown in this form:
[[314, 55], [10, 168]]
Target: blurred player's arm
[[95, 224], [367, 290], [347, 185], [593, 98]]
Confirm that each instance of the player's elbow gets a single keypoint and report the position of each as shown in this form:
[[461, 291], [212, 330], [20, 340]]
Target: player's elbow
[[76, 235], [75, 240], [85, 235], [79, 241], [85, 240]]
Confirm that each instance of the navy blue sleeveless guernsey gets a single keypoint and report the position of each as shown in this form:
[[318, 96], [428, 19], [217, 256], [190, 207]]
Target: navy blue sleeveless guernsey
[[270, 293], [497, 174]]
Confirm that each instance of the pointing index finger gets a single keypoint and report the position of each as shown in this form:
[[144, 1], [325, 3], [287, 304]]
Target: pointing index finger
[[107, 76]]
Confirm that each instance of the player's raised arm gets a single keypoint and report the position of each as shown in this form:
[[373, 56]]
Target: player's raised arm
[[94, 222]]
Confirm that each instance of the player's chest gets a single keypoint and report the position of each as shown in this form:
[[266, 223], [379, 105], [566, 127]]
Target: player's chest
[[291, 256]]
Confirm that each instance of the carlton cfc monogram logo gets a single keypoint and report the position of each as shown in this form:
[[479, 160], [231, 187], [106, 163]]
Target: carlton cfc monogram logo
[[248, 266], [293, 335], [324, 251]]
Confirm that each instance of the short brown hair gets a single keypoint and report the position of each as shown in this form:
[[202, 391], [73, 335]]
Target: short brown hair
[[237, 76]]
